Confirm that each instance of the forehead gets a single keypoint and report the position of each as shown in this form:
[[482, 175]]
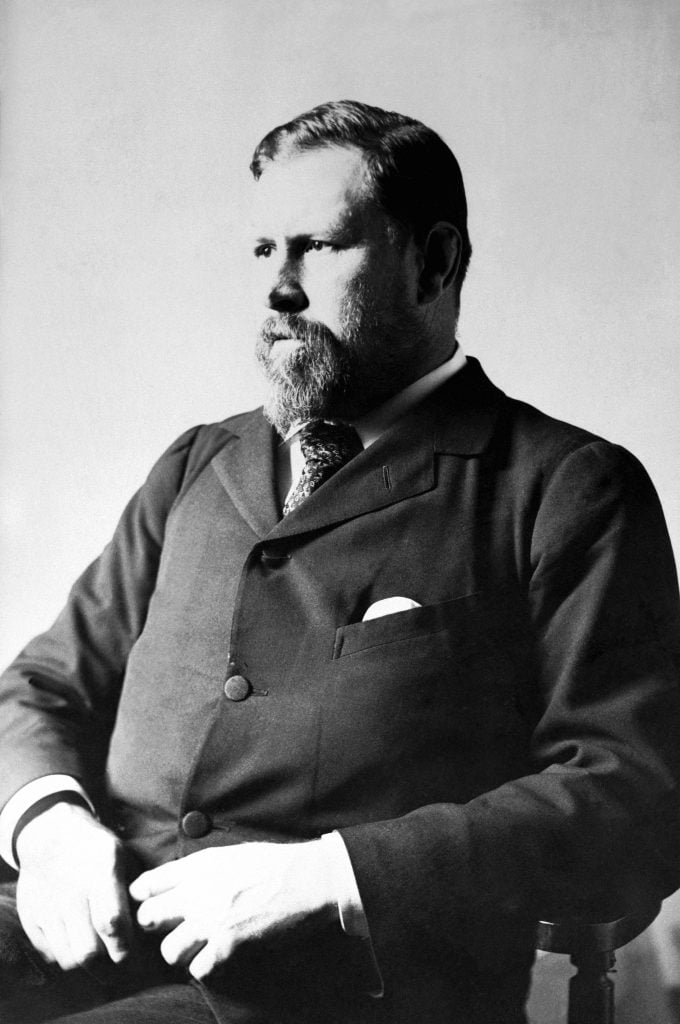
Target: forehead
[[309, 190]]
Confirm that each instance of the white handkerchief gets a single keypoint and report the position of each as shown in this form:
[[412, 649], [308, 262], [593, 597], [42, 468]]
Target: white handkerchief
[[388, 606]]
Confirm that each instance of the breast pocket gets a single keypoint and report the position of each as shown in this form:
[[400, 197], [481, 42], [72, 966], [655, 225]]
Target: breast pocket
[[412, 699], [469, 649], [398, 626]]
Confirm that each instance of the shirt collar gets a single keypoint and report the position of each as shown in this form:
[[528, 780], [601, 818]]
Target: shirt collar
[[373, 424]]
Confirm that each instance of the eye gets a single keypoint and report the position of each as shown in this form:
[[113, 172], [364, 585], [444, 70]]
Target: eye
[[264, 251], [316, 245]]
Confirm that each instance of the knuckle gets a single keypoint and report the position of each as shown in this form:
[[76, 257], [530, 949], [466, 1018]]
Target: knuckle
[[108, 925], [106, 841]]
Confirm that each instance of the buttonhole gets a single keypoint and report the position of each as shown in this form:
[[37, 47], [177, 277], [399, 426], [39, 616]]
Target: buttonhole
[[386, 478]]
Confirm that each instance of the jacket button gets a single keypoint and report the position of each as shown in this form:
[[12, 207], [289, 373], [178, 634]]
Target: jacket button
[[237, 688], [273, 558], [195, 824]]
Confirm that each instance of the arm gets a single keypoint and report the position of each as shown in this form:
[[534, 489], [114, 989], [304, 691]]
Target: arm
[[602, 804], [58, 699], [57, 705]]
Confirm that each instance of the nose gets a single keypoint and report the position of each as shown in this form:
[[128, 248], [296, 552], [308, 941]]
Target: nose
[[287, 295]]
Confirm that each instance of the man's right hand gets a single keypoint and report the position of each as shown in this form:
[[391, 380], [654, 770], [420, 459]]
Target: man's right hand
[[71, 895]]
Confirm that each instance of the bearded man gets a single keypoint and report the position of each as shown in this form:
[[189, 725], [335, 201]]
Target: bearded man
[[363, 681]]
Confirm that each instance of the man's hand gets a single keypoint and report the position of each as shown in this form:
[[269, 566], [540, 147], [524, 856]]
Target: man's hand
[[210, 902], [71, 894]]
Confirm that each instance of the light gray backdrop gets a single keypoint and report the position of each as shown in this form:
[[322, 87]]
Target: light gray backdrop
[[128, 126]]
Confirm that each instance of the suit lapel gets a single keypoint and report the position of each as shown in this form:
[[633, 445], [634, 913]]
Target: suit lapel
[[458, 419], [245, 467], [396, 467]]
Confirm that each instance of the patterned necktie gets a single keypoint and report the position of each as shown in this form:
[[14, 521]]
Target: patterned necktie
[[326, 447]]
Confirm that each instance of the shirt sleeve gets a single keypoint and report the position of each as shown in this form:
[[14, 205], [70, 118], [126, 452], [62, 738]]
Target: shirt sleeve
[[25, 798], [350, 907]]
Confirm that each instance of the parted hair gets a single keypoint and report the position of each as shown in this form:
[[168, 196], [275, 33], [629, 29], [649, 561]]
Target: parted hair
[[413, 175]]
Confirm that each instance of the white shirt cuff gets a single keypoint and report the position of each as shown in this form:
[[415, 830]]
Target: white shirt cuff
[[350, 907], [25, 798]]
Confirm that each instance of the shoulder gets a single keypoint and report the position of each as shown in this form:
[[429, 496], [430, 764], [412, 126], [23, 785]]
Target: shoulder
[[539, 455], [516, 436], [543, 439], [189, 454], [578, 490], [208, 436], [544, 445], [200, 443]]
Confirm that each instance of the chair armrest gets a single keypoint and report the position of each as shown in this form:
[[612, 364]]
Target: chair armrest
[[596, 928]]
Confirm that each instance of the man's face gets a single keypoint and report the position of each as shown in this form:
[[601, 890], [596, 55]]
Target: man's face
[[342, 328]]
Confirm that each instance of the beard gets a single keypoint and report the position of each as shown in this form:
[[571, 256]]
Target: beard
[[338, 377]]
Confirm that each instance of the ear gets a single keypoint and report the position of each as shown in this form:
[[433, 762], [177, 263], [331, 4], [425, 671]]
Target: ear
[[440, 257]]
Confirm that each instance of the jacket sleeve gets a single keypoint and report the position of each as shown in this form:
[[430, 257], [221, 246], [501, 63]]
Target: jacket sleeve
[[58, 698], [602, 806]]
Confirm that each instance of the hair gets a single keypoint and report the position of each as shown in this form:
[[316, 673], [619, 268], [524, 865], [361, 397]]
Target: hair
[[413, 175]]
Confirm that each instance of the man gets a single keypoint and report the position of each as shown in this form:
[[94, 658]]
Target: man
[[361, 684]]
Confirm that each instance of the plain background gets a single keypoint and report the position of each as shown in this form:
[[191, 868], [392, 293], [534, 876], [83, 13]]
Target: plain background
[[127, 314]]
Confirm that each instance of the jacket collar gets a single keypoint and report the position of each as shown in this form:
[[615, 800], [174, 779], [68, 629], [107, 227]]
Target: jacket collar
[[466, 410], [457, 419]]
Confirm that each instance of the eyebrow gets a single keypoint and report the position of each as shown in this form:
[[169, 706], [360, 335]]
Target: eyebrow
[[341, 228]]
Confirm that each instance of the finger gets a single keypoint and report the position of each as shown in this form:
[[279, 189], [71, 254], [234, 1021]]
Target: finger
[[160, 913], [112, 919], [45, 927], [72, 943], [160, 879], [181, 945], [80, 943], [37, 939], [205, 962]]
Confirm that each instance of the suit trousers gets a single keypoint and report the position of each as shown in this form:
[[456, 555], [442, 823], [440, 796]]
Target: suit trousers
[[145, 990], [33, 991]]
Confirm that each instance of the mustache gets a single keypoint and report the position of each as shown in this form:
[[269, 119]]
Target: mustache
[[292, 325]]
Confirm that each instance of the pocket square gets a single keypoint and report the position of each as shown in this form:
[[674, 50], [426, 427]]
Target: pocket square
[[388, 606]]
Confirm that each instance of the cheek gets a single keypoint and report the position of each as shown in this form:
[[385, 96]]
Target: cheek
[[331, 290], [389, 279]]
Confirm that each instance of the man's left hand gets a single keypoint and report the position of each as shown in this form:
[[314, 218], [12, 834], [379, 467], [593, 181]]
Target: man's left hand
[[210, 902]]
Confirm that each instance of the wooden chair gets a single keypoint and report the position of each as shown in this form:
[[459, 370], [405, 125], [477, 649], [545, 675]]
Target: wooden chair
[[590, 935]]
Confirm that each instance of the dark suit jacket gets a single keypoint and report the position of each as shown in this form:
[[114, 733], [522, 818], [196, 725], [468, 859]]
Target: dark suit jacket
[[514, 739]]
